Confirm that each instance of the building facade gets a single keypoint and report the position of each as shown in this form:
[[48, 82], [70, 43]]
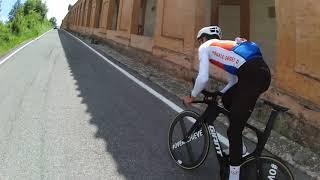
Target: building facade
[[286, 30]]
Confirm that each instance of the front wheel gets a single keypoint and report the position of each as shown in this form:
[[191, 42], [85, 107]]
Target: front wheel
[[191, 153], [265, 168]]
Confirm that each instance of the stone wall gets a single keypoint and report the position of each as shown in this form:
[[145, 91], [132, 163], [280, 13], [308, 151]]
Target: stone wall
[[298, 65], [285, 29]]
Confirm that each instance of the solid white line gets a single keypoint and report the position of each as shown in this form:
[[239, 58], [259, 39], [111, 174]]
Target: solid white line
[[12, 54], [175, 107]]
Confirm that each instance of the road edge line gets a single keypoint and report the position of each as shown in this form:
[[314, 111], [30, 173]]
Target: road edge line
[[16, 51], [171, 104]]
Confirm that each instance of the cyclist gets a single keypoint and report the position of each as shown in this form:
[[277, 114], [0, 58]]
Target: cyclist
[[248, 77]]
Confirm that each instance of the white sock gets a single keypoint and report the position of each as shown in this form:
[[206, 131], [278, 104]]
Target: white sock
[[234, 173]]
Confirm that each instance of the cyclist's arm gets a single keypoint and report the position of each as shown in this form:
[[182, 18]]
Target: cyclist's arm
[[232, 80], [203, 76]]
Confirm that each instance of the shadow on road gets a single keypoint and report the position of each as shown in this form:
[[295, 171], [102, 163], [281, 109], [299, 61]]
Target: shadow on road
[[132, 122]]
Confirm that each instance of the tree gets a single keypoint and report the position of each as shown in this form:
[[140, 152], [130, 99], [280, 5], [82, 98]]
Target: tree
[[36, 6], [53, 21], [24, 17], [17, 23], [14, 10], [0, 5]]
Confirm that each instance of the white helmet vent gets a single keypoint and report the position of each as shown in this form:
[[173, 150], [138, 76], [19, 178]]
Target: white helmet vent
[[210, 30]]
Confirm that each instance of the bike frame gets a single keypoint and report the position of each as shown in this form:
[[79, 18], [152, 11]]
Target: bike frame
[[212, 111]]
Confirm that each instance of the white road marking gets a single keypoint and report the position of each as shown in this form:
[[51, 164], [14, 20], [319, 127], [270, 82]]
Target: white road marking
[[16, 51], [175, 107]]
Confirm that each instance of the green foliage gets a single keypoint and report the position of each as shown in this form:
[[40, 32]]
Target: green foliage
[[14, 9], [17, 23], [28, 20], [37, 6], [53, 21]]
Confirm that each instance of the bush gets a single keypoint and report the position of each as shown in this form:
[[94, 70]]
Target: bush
[[4, 34], [29, 20]]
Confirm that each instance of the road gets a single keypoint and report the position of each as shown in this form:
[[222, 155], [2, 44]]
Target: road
[[68, 114]]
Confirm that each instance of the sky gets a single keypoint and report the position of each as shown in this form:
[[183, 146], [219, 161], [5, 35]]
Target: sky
[[56, 8]]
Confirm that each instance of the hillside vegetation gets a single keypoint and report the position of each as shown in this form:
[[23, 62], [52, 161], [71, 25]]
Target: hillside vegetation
[[26, 21]]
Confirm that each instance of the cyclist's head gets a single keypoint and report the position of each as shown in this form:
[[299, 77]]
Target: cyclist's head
[[210, 32]]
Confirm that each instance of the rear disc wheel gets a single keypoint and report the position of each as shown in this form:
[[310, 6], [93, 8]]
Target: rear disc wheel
[[269, 169]]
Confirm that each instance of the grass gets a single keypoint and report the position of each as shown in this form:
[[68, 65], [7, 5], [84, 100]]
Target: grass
[[9, 40]]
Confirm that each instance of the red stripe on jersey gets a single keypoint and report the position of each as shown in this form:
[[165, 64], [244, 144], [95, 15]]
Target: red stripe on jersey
[[225, 44], [217, 63]]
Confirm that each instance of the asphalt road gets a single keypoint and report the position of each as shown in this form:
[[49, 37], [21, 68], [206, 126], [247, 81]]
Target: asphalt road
[[68, 114]]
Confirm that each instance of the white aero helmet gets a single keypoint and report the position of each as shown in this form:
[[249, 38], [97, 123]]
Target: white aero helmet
[[210, 30]]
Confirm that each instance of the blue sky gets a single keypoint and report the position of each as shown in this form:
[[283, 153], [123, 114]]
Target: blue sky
[[57, 8], [6, 6]]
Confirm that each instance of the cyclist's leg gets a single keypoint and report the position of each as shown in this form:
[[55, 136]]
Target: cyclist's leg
[[227, 96], [240, 111], [213, 114], [241, 108], [244, 98]]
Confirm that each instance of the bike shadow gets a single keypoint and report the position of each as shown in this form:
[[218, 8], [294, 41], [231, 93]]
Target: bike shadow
[[132, 122]]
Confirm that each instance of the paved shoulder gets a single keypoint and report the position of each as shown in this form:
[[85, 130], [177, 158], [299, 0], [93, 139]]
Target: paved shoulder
[[68, 114]]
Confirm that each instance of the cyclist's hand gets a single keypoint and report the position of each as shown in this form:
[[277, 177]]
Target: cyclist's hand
[[187, 100]]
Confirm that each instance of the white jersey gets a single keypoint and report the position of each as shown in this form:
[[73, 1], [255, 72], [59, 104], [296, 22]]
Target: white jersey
[[227, 55]]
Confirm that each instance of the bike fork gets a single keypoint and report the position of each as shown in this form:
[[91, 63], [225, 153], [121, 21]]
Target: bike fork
[[196, 126]]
